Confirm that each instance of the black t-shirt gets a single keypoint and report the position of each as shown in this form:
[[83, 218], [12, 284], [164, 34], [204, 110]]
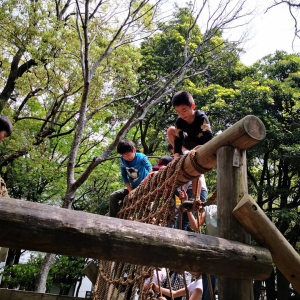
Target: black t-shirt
[[198, 133]]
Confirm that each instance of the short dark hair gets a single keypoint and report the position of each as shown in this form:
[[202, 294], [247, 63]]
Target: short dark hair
[[182, 98], [170, 147], [163, 161], [5, 125], [125, 146]]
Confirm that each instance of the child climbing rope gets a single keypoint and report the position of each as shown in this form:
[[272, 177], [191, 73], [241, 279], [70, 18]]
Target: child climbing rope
[[192, 127], [134, 168]]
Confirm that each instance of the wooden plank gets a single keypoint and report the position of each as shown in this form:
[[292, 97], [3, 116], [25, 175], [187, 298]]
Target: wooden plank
[[255, 221], [231, 186], [6, 294], [40, 227]]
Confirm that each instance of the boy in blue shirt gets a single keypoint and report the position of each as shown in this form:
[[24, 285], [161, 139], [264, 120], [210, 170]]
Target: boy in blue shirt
[[134, 168], [192, 127]]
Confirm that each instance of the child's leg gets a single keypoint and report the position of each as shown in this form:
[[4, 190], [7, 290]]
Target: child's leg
[[171, 135], [114, 200], [203, 195], [196, 188]]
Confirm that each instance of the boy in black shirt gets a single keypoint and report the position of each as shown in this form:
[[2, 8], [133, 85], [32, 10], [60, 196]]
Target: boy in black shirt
[[192, 127]]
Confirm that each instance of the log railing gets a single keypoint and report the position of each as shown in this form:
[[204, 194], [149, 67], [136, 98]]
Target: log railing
[[42, 227]]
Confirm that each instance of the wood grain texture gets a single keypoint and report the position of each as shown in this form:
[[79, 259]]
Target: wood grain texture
[[255, 221], [244, 134], [40, 227], [231, 187]]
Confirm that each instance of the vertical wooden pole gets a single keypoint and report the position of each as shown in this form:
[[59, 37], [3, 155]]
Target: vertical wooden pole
[[231, 187]]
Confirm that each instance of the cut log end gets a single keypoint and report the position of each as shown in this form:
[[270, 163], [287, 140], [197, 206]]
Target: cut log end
[[254, 127]]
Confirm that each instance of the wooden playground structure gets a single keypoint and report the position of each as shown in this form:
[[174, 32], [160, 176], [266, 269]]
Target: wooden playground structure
[[231, 257]]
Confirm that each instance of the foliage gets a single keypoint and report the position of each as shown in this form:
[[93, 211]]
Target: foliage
[[75, 81], [163, 54], [22, 276], [65, 271]]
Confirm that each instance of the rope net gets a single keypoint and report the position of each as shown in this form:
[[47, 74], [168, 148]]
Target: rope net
[[151, 203]]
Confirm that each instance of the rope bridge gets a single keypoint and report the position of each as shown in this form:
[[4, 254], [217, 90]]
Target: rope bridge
[[151, 203], [41, 227]]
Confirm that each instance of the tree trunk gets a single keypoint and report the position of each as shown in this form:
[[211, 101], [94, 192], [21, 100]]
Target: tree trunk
[[13, 257], [79, 286], [41, 278]]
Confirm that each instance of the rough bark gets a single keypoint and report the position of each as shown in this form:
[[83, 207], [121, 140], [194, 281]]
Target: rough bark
[[42, 227], [41, 278], [285, 257], [231, 187]]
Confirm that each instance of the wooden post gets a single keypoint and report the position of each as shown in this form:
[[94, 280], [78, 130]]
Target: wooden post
[[231, 187], [285, 257], [41, 227]]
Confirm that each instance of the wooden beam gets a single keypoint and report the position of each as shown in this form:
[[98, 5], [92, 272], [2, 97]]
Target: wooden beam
[[41, 227], [285, 257], [242, 135]]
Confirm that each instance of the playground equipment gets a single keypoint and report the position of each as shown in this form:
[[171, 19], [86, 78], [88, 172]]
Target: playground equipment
[[45, 228]]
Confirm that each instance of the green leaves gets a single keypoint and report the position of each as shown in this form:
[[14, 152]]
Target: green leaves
[[65, 270]]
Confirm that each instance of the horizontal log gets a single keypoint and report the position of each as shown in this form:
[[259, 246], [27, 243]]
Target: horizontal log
[[40, 227], [244, 134], [255, 221]]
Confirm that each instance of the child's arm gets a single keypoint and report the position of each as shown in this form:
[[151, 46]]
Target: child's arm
[[146, 163], [193, 221], [178, 138], [197, 294], [128, 186], [166, 292], [124, 177]]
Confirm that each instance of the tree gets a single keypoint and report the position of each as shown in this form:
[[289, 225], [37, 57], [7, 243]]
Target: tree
[[66, 271], [270, 90], [293, 7], [163, 54], [66, 106]]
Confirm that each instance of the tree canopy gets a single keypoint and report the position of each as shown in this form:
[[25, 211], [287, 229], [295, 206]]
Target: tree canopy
[[75, 78]]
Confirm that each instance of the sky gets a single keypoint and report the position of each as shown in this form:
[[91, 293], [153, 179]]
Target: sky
[[269, 31]]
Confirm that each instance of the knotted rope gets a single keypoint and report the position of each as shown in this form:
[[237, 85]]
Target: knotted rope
[[150, 203]]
